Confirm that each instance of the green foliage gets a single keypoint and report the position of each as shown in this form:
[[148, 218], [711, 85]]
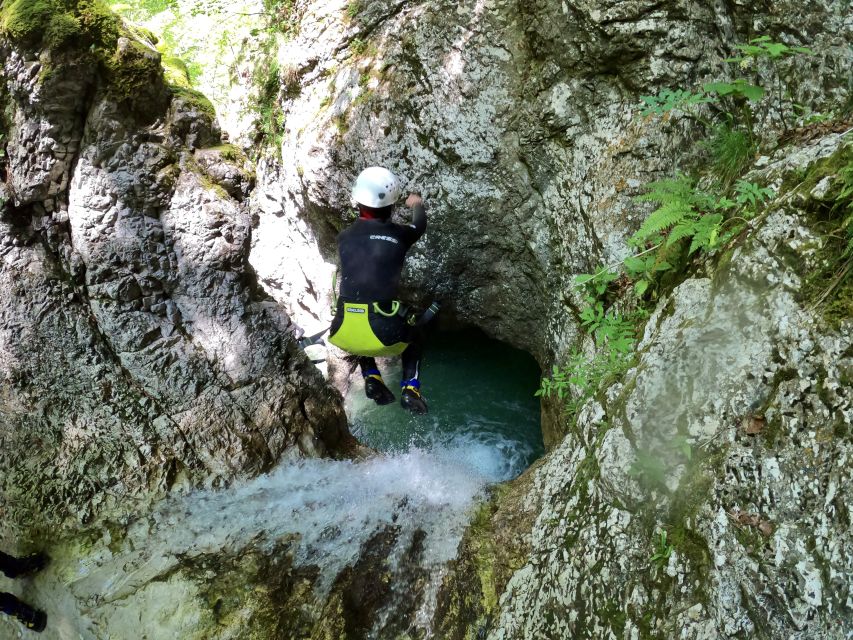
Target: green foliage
[[732, 149], [669, 99], [281, 17], [610, 329], [581, 376], [644, 268], [731, 98], [687, 212], [353, 9], [737, 88], [765, 47], [663, 550], [764, 50], [268, 79], [358, 46], [613, 334]]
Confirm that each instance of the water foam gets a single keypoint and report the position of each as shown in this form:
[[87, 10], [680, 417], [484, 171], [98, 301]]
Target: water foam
[[329, 508]]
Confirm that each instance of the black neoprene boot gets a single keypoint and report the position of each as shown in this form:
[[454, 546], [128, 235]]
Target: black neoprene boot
[[32, 619], [410, 397], [376, 390], [25, 566]]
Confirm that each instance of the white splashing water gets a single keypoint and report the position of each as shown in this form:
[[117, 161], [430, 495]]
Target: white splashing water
[[331, 509], [335, 506]]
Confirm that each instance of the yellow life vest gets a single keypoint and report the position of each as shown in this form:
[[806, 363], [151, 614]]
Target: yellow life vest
[[355, 335]]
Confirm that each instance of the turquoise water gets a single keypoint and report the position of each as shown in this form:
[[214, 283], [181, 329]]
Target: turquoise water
[[482, 410]]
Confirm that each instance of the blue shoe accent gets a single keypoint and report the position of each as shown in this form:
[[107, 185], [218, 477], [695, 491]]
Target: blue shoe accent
[[414, 383], [372, 373]]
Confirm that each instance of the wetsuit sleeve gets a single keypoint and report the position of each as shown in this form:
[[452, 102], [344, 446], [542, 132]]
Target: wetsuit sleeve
[[416, 229]]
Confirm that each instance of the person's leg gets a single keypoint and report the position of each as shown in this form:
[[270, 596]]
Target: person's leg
[[374, 386], [14, 567], [8, 565], [31, 618], [410, 385]]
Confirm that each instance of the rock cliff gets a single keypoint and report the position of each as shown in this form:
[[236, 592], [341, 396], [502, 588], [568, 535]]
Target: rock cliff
[[518, 121], [139, 353], [704, 494]]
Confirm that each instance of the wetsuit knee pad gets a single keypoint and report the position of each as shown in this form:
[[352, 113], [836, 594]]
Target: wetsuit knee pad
[[358, 330]]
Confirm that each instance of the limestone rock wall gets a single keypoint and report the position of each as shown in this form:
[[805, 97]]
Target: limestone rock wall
[[137, 351], [518, 122], [730, 437]]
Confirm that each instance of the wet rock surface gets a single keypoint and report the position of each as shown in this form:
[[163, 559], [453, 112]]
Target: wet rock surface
[[732, 436], [138, 352], [140, 356]]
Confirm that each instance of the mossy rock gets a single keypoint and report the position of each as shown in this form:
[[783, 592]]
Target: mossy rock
[[493, 549], [60, 24], [193, 99], [828, 288], [27, 21], [134, 74]]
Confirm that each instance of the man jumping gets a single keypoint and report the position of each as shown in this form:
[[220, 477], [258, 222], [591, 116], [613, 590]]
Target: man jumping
[[370, 321]]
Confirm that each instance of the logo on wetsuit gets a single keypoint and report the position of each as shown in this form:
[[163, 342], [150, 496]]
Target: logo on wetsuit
[[355, 310], [386, 238]]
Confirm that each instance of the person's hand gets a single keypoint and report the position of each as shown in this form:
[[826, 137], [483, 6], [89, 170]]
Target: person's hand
[[413, 200]]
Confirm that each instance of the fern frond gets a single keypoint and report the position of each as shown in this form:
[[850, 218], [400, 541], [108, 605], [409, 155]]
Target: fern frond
[[681, 230], [680, 188], [665, 216]]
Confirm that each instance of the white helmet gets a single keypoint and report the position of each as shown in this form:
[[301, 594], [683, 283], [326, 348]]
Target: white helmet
[[376, 187]]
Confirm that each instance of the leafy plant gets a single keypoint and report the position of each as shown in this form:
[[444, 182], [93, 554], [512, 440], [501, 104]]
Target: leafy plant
[[669, 99], [736, 88], [732, 98], [578, 380], [354, 8], [765, 49], [687, 212], [643, 268], [663, 550]]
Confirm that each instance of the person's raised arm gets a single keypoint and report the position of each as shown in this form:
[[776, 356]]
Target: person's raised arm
[[419, 218]]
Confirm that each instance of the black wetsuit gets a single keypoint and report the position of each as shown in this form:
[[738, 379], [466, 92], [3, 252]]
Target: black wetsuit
[[372, 253]]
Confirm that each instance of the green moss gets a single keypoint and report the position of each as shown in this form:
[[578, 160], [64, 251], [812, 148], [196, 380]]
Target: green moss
[[56, 24], [175, 71], [100, 26], [132, 71], [26, 21], [61, 30], [828, 286], [196, 98]]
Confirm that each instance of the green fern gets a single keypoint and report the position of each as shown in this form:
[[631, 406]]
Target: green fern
[[676, 204]]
